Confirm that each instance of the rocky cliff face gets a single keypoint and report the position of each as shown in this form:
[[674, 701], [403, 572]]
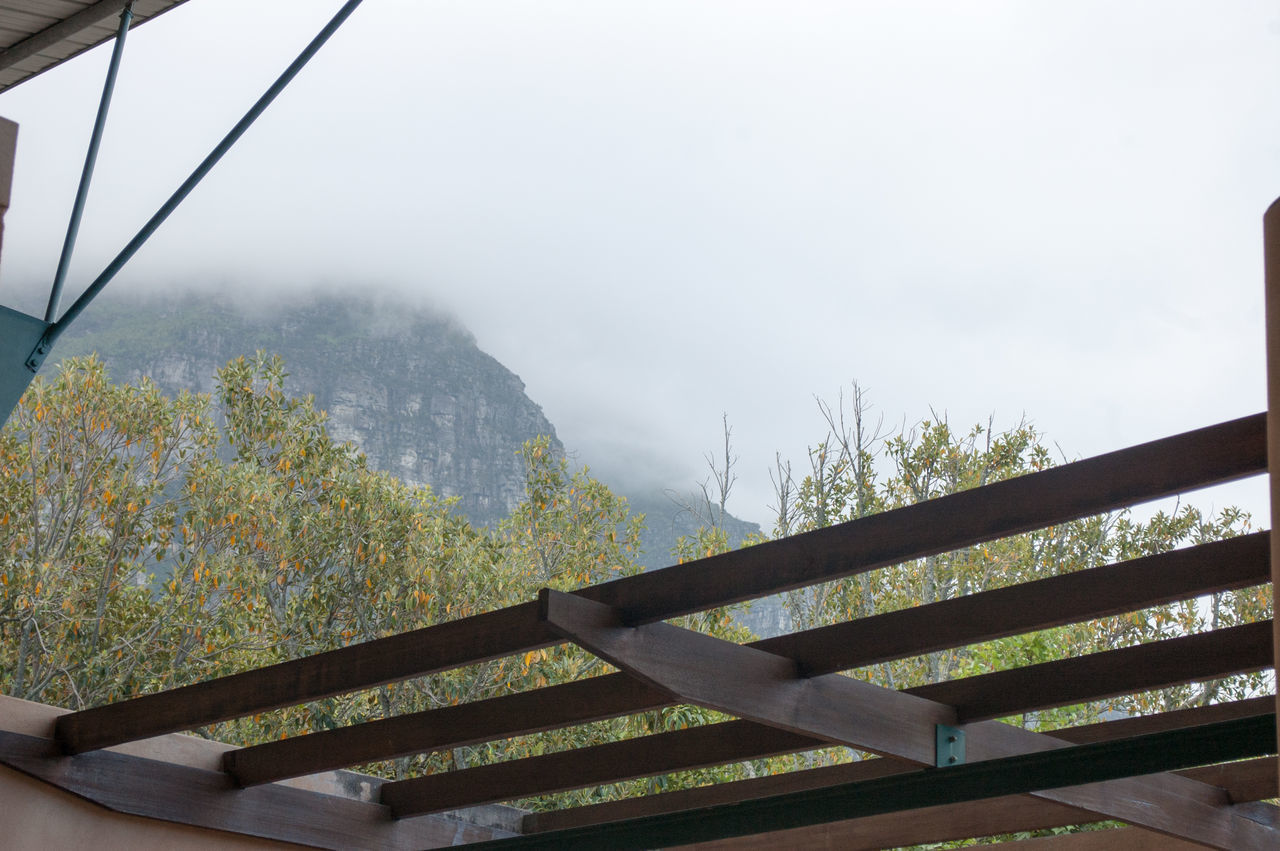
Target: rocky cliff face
[[408, 386]]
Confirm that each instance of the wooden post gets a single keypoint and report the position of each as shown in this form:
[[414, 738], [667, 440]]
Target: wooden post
[[1271, 248], [8, 149]]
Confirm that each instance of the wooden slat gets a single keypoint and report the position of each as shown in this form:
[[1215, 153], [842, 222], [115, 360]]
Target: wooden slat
[[1087, 594], [448, 727], [1141, 724], [590, 766], [398, 657], [178, 793], [1054, 601], [1149, 471], [926, 825], [1244, 781], [1098, 676]]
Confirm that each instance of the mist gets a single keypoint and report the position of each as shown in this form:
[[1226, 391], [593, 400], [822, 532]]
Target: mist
[[658, 214]]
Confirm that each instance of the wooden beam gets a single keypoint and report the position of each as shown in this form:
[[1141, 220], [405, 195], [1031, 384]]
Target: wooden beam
[[1244, 781], [925, 825], [590, 766], [179, 793], [1097, 676], [1271, 287], [439, 729], [750, 683], [1071, 598], [1096, 592], [1083, 767], [1172, 465], [704, 670], [1141, 724], [423, 651]]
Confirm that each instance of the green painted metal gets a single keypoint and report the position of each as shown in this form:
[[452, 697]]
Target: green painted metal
[[18, 333], [949, 744], [90, 159], [1071, 766]]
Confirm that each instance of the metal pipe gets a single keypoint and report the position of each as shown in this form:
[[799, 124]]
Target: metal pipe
[[86, 175], [55, 330]]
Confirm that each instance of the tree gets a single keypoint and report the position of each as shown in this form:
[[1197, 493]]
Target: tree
[[858, 469]]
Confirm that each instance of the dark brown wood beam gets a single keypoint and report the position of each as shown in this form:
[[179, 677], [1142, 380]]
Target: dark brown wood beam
[[590, 766], [952, 822], [1096, 592], [1071, 598], [423, 651], [185, 795], [448, 727], [1250, 780], [1103, 483], [754, 685], [1081, 768], [1098, 676]]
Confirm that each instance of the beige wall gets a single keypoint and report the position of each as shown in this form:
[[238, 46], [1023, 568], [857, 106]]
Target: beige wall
[[35, 815]]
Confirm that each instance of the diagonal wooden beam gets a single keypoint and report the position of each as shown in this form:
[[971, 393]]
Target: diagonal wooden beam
[[754, 685], [1096, 592]]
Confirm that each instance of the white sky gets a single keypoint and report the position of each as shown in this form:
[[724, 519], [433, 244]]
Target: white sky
[[657, 212]]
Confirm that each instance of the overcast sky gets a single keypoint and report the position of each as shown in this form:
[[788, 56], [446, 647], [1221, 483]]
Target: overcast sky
[[658, 212]]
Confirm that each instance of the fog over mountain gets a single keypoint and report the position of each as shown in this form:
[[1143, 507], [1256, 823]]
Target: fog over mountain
[[409, 385]]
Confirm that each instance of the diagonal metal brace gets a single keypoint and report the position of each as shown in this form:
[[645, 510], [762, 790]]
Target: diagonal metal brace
[[55, 330]]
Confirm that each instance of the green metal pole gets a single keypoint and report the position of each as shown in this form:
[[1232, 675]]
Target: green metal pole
[[91, 158], [38, 354]]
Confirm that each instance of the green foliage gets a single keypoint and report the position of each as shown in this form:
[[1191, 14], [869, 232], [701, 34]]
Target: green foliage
[[857, 470]]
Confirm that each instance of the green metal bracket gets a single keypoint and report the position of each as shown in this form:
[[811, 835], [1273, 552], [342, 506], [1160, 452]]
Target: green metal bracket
[[950, 748], [18, 333]]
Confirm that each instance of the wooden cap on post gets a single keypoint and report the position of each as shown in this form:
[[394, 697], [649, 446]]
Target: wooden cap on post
[[8, 149]]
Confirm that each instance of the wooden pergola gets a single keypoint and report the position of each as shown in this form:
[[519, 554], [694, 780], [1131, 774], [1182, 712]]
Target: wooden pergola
[[946, 768]]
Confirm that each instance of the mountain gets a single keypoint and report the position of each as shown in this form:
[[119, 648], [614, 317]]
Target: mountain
[[408, 386]]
